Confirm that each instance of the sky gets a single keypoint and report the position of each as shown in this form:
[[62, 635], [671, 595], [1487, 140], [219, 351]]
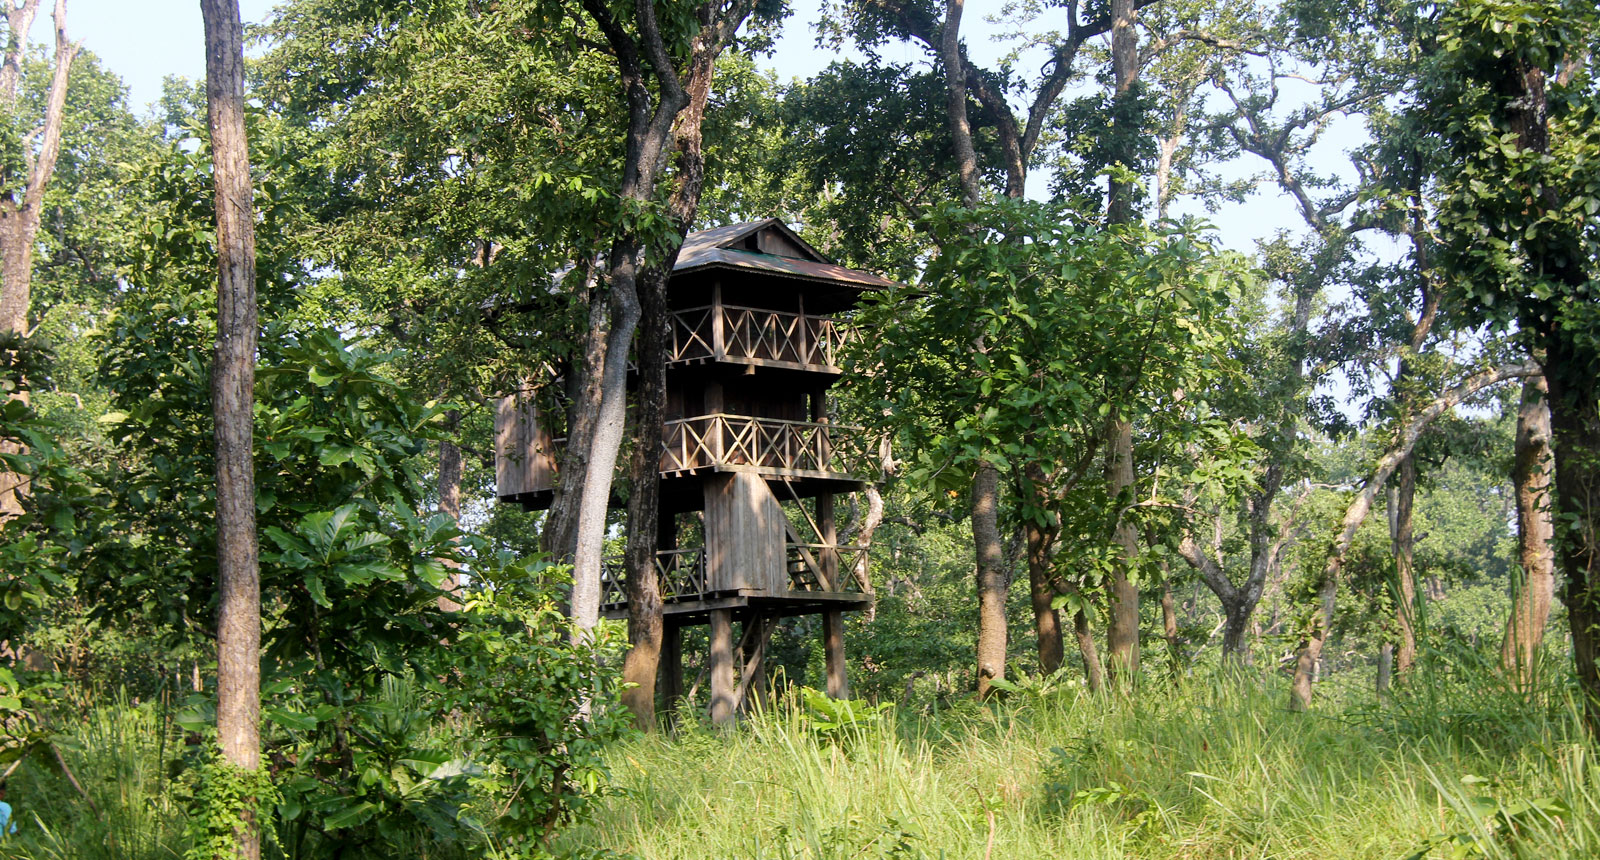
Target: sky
[[144, 42]]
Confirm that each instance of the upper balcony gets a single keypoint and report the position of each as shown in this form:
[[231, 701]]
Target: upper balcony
[[757, 338]]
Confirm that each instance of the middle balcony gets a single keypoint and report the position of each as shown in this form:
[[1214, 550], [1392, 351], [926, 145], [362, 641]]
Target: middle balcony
[[757, 337]]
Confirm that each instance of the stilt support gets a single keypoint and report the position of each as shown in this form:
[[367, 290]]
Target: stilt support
[[833, 648], [722, 692]]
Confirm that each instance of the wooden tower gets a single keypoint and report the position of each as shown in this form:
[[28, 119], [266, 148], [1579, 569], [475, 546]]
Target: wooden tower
[[751, 459]]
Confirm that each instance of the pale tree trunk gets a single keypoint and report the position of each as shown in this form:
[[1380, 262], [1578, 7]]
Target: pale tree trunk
[[1530, 476], [21, 209], [232, 384], [991, 576], [653, 124], [450, 504], [560, 536], [1094, 671], [1309, 652]]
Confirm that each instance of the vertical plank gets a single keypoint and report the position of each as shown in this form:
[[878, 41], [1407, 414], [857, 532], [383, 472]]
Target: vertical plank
[[833, 651], [744, 534], [719, 347], [671, 668], [721, 667]]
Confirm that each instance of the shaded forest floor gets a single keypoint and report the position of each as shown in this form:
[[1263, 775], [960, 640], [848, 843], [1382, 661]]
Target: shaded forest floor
[[1450, 767]]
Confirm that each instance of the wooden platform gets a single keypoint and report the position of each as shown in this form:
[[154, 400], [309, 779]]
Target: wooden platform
[[697, 611]]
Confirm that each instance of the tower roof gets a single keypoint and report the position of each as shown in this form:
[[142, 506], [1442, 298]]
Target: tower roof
[[768, 246]]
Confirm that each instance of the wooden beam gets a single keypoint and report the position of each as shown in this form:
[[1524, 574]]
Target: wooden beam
[[671, 668], [721, 666], [751, 674], [833, 651]]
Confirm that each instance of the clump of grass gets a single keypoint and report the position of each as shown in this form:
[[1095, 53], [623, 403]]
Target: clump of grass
[[1212, 769]]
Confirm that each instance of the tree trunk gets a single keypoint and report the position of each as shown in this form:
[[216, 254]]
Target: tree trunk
[[1041, 588], [991, 576], [639, 666], [1530, 475], [1385, 668], [1309, 651], [20, 212], [1122, 631], [1094, 671], [232, 393], [1405, 573], [560, 537], [1169, 626], [450, 504], [1575, 434]]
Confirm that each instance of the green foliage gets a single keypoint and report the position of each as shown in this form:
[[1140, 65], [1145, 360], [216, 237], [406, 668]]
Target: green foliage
[[227, 798]]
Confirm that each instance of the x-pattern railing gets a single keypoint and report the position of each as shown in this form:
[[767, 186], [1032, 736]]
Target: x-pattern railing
[[755, 333], [743, 440], [803, 576], [681, 574]]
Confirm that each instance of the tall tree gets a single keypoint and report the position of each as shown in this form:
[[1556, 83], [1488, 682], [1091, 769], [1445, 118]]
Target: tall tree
[[1512, 92], [1535, 586], [233, 399], [26, 174]]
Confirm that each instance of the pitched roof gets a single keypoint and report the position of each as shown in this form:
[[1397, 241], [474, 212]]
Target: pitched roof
[[723, 247]]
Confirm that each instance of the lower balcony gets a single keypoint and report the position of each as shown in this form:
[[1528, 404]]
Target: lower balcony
[[815, 571]]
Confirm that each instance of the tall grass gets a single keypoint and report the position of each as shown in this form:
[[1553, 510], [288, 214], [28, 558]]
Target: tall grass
[[115, 753], [1213, 769]]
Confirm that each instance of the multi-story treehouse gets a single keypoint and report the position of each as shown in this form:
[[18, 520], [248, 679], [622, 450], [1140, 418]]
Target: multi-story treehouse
[[751, 459]]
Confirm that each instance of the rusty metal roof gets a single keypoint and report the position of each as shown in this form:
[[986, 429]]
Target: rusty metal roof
[[710, 248]]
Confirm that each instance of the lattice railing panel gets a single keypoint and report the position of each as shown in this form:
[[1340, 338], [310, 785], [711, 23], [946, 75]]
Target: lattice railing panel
[[770, 443], [754, 333], [803, 577], [681, 574]]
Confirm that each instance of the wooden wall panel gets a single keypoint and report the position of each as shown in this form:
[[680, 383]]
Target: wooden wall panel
[[745, 543], [524, 453]]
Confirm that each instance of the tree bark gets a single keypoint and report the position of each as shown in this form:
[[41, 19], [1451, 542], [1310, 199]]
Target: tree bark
[[1122, 632], [1575, 434], [1404, 546], [232, 392], [20, 211], [1169, 626], [1530, 476], [645, 629], [1309, 652], [991, 576], [450, 504], [1041, 589]]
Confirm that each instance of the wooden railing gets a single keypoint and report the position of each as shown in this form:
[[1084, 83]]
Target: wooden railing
[[812, 565], [681, 574], [754, 334], [765, 444]]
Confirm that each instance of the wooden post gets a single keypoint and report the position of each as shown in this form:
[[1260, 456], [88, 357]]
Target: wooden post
[[719, 346], [721, 667], [833, 648], [830, 539], [671, 668]]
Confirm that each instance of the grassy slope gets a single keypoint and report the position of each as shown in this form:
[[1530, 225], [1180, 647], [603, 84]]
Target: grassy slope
[[1214, 770]]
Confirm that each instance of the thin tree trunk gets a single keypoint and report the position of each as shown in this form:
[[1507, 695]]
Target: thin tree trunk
[[991, 576], [1122, 631], [1094, 671], [1041, 588], [20, 212], [560, 537], [1530, 476], [1309, 652], [1169, 625], [1405, 542], [232, 393], [1385, 668], [450, 504]]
